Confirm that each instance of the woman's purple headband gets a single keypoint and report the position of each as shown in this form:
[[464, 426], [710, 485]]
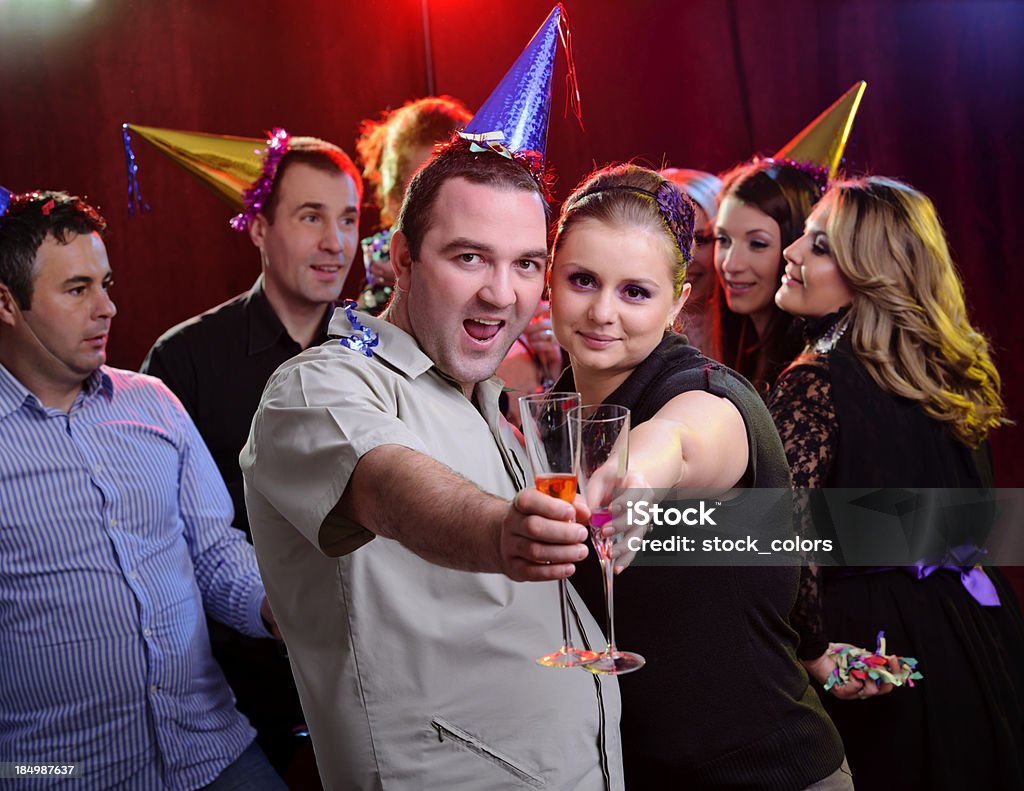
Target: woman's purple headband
[[675, 208]]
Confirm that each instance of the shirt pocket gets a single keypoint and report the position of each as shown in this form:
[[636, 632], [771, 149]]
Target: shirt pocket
[[446, 731]]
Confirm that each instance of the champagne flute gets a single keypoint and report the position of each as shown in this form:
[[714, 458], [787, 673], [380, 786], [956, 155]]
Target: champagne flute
[[604, 457], [551, 432]]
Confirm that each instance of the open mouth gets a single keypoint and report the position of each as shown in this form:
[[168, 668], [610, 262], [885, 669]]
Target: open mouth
[[483, 330], [738, 287]]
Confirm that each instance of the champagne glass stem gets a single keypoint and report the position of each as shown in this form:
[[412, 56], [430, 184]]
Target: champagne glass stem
[[563, 602], [609, 600]]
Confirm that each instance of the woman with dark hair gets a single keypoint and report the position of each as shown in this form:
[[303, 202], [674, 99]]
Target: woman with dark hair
[[894, 389], [762, 208], [392, 150], [722, 700]]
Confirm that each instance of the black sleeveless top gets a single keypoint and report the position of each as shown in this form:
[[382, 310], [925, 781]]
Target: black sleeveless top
[[722, 699]]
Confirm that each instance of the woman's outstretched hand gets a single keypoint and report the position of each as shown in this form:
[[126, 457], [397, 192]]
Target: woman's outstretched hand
[[602, 489]]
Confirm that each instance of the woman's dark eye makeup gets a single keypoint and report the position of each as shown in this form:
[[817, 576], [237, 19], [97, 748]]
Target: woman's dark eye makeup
[[636, 292]]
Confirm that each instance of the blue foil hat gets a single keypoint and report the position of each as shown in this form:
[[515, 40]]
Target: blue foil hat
[[514, 118], [5, 200]]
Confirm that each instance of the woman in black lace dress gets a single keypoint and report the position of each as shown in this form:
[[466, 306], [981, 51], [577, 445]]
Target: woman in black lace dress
[[897, 389]]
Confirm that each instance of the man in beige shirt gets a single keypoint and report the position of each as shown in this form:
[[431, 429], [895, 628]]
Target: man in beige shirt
[[413, 585]]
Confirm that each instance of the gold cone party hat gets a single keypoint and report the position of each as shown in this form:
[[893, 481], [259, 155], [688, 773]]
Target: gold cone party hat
[[226, 164], [823, 140]]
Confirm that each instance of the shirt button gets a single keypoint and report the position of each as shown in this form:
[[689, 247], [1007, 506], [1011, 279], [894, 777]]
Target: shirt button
[[153, 689], [147, 632], [98, 469], [113, 523], [132, 575]]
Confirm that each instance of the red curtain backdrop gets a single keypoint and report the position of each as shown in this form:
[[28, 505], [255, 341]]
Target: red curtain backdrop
[[700, 83]]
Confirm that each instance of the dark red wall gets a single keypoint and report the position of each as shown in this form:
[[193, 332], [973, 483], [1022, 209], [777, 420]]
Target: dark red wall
[[699, 83]]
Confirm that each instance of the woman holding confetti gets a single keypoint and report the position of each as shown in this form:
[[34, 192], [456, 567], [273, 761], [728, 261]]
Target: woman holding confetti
[[896, 389]]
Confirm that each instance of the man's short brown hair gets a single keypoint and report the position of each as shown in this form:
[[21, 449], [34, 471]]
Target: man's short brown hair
[[30, 219], [456, 161], [317, 154]]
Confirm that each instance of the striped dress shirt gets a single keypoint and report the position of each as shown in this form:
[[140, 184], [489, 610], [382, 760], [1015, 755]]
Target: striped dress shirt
[[114, 535]]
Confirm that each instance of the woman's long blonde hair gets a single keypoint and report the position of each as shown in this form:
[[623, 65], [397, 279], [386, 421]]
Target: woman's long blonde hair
[[909, 324]]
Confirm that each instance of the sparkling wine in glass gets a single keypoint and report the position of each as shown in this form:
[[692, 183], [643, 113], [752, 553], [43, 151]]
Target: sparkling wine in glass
[[551, 432], [604, 457]]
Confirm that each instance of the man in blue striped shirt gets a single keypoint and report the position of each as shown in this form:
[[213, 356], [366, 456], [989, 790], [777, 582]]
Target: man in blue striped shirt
[[114, 536]]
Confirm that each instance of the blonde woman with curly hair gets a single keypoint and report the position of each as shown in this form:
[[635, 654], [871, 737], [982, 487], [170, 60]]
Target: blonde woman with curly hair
[[896, 389]]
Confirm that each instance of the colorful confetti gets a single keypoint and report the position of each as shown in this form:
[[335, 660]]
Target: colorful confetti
[[863, 665]]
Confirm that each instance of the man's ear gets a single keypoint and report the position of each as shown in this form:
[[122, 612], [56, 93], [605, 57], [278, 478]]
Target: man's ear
[[258, 230], [401, 259], [8, 306]]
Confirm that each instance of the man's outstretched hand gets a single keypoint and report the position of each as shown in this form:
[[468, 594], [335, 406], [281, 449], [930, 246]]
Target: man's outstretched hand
[[538, 541]]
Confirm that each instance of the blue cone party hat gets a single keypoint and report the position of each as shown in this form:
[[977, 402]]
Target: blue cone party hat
[[514, 118], [5, 200]]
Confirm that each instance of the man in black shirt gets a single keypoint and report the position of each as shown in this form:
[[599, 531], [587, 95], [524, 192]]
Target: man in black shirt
[[217, 363]]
